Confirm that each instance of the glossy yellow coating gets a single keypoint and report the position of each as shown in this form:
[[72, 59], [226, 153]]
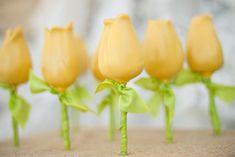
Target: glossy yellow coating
[[15, 61], [95, 66], [163, 53], [60, 58], [204, 52], [95, 69], [120, 56]]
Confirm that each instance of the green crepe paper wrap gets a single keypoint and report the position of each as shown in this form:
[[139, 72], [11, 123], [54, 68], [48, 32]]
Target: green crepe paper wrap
[[128, 101], [68, 98], [19, 109], [110, 101], [162, 95], [65, 126], [224, 92], [123, 130]]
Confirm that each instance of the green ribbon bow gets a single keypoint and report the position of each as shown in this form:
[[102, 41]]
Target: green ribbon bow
[[68, 98], [162, 95], [128, 101], [19, 109], [224, 92]]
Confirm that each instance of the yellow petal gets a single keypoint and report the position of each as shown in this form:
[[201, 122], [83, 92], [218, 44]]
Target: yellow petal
[[204, 52], [15, 61], [120, 56], [59, 60], [163, 51], [94, 63], [95, 68]]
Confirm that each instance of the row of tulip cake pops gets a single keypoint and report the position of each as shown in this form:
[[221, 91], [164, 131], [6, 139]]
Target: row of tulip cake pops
[[64, 58], [119, 58], [164, 60]]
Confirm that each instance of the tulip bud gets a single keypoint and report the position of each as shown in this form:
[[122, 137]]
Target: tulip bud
[[163, 51], [82, 54], [59, 60], [15, 61], [121, 58], [204, 52]]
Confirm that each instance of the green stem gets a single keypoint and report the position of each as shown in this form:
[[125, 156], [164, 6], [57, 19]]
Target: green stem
[[15, 132], [65, 126], [169, 137], [123, 129], [14, 121], [111, 122], [213, 113]]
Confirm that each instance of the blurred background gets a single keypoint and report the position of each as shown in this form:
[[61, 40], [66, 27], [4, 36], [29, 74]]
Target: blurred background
[[87, 17]]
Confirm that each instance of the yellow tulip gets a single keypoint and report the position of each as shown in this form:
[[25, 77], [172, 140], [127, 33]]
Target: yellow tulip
[[59, 60], [163, 51], [15, 61], [82, 54], [120, 56], [204, 52]]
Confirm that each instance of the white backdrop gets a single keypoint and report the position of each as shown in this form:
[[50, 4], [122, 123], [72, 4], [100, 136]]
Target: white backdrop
[[87, 16]]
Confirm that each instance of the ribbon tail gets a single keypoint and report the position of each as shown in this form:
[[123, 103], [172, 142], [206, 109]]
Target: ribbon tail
[[37, 85]]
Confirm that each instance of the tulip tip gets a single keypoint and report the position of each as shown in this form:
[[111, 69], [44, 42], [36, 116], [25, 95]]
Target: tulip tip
[[13, 34], [160, 22], [108, 21], [200, 18], [123, 16], [18, 31], [69, 26]]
